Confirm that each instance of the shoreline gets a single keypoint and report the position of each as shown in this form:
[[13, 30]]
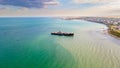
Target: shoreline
[[115, 36], [108, 22], [108, 30]]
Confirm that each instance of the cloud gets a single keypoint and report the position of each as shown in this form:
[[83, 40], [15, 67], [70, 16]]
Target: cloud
[[59, 12], [92, 1], [28, 3], [51, 3], [108, 8], [112, 8]]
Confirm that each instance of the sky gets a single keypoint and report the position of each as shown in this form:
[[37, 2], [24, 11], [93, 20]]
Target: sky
[[59, 8]]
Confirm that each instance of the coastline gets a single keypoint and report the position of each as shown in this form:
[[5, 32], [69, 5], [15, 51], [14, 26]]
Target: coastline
[[108, 30], [115, 36], [108, 21]]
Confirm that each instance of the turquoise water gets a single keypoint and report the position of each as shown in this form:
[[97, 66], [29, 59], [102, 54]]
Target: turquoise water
[[27, 43]]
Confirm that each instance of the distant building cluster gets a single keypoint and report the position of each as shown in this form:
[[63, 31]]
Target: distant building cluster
[[104, 20], [107, 21], [117, 27]]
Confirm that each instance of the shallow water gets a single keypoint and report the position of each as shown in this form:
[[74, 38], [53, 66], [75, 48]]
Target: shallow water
[[27, 43]]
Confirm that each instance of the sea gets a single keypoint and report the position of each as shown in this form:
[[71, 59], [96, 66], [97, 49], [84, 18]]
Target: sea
[[26, 42]]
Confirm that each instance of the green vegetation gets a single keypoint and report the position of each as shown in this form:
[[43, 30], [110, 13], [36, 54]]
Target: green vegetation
[[114, 31]]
